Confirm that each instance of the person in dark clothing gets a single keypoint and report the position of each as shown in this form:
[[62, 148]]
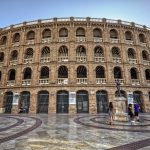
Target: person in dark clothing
[[136, 111], [130, 112], [110, 111]]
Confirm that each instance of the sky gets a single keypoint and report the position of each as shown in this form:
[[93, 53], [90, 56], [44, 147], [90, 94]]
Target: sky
[[18, 11]]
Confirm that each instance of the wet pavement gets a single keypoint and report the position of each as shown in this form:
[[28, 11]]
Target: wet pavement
[[72, 132]]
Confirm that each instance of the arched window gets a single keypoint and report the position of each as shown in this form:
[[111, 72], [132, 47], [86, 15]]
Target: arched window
[[133, 73], [45, 52], [100, 72], [3, 40], [128, 35], [63, 72], [31, 35], [80, 32], [63, 32], [14, 55], [27, 73], [16, 37], [97, 33], [98, 51], [113, 34], [11, 74], [147, 74], [131, 53], [115, 52], [44, 72], [1, 56], [142, 38], [145, 55], [63, 51], [81, 51], [81, 72], [46, 33], [28, 53], [117, 73]]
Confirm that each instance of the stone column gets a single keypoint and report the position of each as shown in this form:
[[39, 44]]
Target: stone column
[[52, 102], [33, 103], [92, 103]]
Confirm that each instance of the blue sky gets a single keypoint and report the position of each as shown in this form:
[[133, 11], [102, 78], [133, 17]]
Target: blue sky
[[18, 11]]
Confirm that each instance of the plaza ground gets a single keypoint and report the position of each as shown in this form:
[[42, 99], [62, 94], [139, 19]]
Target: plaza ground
[[72, 132]]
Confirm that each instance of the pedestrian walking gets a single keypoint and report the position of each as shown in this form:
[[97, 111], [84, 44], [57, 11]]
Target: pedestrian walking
[[110, 112], [136, 111], [130, 113]]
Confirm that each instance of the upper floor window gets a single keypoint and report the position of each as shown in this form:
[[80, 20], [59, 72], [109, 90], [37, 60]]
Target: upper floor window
[[134, 73], [115, 52], [63, 72], [63, 51], [31, 35], [45, 52], [81, 51], [27, 73], [12, 74], [16, 37], [63, 32], [142, 38], [14, 55], [46, 33], [113, 34], [117, 73], [44, 73], [128, 35], [147, 74], [131, 53], [3, 40], [100, 72], [98, 51], [28, 53], [97, 33], [145, 55], [1, 56], [80, 32], [81, 72]]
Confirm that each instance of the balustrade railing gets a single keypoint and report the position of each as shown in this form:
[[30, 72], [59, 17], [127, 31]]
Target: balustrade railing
[[99, 59], [81, 80], [45, 59], [81, 59], [135, 81], [132, 61], [43, 81], [100, 80], [29, 60], [62, 81], [11, 83], [26, 82], [63, 59], [80, 39]]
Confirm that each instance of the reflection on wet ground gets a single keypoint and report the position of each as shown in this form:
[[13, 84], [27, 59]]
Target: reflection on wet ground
[[72, 132]]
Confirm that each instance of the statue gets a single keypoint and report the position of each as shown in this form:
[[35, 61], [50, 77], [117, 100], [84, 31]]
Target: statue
[[118, 88]]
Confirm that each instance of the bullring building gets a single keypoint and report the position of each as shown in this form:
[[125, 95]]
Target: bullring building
[[71, 65]]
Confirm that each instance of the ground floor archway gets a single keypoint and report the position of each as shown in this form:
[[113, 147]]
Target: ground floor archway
[[43, 102], [24, 102], [82, 99], [8, 101], [102, 101], [62, 102]]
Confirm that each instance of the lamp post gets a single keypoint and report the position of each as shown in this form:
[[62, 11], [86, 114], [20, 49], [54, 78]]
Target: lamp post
[[118, 87]]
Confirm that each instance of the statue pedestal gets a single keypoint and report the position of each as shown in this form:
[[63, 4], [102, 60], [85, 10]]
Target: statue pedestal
[[120, 109]]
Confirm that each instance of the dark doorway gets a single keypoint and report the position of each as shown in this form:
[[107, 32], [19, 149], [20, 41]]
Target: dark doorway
[[82, 102], [43, 102], [102, 101], [8, 102], [62, 102]]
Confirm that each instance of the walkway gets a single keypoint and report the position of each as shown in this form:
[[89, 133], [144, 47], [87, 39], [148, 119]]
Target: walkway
[[72, 132]]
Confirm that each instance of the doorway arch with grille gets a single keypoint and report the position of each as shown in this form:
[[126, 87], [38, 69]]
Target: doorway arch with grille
[[82, 98], [62, 102], [8, 102], [43, 102], [102, 101]]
